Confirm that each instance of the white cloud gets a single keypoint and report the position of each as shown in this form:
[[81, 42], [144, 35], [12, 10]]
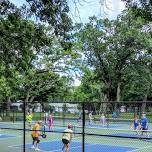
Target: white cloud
[[89, 8], [118, 7]]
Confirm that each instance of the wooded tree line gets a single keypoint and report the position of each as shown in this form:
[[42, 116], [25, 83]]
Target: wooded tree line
[[39, 42]]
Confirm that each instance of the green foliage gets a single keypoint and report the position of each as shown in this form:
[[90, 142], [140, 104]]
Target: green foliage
[[29, 50], [111, 48], [55, 13], [142, 8]]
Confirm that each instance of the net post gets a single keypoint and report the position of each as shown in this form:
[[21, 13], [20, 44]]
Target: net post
[[83, 128]]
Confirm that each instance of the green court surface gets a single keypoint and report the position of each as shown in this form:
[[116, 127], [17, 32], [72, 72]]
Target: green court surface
[[12, 140]]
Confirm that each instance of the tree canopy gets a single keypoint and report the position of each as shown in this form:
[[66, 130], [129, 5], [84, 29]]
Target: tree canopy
[[40, 47]]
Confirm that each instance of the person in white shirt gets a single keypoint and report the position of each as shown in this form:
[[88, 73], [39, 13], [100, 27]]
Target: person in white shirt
[[90, 118], [45, 117], [103, 120], [67, 137]]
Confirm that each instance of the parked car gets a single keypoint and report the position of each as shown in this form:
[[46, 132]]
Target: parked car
[[17, 105]]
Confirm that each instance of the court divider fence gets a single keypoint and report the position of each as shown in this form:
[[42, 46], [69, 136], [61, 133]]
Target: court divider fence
[[94, 123]]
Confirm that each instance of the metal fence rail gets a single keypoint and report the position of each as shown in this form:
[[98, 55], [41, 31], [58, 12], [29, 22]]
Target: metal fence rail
[[97, 126]]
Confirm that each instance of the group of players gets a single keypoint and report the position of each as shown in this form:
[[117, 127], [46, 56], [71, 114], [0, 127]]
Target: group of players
[[37, 133], [103, 120], [137, 125], [141, 124], [48, 119]]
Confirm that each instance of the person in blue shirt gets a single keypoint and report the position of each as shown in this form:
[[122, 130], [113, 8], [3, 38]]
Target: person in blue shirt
[[136, 124], [114, 115], [144, 123]]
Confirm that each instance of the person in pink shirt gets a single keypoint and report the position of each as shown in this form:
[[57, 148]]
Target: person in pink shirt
[[50, 121]]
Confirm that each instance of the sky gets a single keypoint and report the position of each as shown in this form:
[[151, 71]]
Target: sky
[[87, 8], [94, 7]]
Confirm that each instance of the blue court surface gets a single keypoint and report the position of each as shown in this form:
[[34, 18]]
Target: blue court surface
[[55, 146], [3, 136]]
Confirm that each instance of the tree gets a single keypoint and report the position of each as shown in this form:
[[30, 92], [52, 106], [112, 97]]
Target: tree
[[25, 45], [142, 8], [110, 47], [55, 13]]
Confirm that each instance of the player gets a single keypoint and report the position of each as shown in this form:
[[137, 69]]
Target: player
[[80, 117], [103, 119], [114, 115], [67, 137], [50, 121], [29, 118], [136, 124], [35, 135], [90, 118], [144, 124], [45, 117]]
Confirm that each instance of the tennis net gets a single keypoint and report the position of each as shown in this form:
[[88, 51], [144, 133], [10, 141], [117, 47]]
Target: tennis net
[[110, 132]]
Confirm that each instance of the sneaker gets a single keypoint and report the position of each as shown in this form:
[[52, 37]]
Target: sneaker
[[37, 149], [33, 147]]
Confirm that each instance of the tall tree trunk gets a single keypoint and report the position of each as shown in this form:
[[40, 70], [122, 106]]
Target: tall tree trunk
[[118, 92], [115, 106], [8, 106], [143, 108], [95, 108], [100, 108], [105, 108], [31, 99], [117, 97], [27, 96], [27, 100]]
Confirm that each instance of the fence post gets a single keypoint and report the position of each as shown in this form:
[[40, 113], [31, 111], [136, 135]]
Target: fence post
[[24, 126], [83, 128]]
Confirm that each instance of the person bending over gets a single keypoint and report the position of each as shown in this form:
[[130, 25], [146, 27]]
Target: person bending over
[[66, 138]]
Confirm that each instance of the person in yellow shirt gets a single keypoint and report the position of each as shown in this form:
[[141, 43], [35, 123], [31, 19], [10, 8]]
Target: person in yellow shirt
[[35, 135], [67, 137], [29, 118]]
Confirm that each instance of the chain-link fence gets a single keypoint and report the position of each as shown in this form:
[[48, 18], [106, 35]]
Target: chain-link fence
[[96, 126]]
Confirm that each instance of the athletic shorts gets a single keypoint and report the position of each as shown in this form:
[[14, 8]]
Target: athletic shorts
[[65, 141], [144, 128], [35, 138]]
